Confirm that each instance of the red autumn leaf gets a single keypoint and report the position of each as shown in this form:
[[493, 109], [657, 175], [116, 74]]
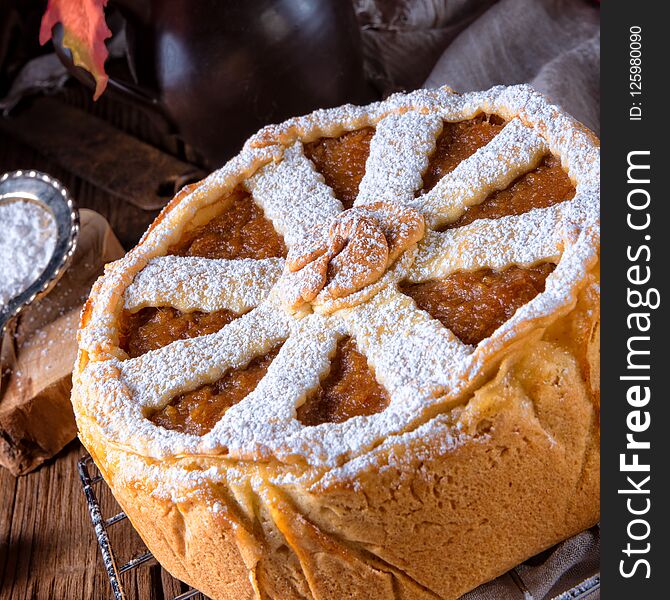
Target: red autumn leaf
[[84, 33]]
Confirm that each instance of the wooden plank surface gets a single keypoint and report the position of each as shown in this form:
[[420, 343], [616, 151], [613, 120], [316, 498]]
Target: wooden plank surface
[[48, 548], [47, 545], [116, 163], [128, 221]]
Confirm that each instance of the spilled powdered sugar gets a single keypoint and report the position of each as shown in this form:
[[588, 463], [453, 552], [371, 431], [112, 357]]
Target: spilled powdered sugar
[[423, 366], [27, 241]]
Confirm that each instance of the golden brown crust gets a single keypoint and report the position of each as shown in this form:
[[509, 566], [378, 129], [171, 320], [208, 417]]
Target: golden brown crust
[[474, 483], [419, 522]]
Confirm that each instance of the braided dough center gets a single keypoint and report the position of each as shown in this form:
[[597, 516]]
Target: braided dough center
[[351, 252]]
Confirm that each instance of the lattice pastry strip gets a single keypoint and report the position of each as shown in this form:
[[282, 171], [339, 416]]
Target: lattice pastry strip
[[413, 355], [538, 235], [306, 356], [405, 346], [399, 153], [190, 283], [513, 152], [293, 194], [157, 376]]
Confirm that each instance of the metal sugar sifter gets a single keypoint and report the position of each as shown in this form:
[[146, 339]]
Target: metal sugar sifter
[[44, 190]]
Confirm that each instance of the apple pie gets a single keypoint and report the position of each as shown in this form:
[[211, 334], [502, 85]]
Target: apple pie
[[361, 360]]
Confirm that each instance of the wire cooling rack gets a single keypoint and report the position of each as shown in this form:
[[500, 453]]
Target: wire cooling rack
[[90, 478]]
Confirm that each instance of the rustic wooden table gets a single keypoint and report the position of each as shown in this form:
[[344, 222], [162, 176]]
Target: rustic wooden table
[[48, 548], [47, 545]]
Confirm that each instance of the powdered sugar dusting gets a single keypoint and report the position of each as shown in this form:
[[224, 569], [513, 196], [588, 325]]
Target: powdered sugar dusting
[[523, 240], [293, 195], [424, 366], [190, 283], [157, 376], [405, 345], [26, 245], [348, 253], [515, 151], [399, 154], [268, 413]]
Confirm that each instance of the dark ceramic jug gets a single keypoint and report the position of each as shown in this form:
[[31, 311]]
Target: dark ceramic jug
[[221, 69]]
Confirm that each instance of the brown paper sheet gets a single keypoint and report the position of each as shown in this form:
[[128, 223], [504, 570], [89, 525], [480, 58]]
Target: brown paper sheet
[[36, 419]]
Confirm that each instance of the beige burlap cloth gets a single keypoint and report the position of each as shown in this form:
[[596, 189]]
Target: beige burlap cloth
[[474, 44], [36, 419]]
